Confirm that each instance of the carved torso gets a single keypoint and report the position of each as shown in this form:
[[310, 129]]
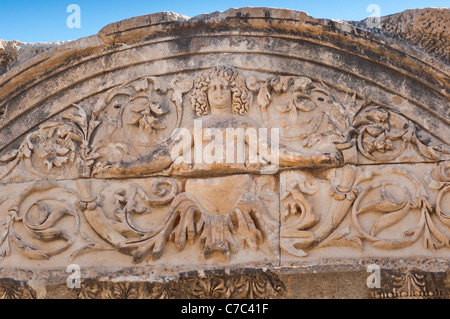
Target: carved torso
[[335, 154]]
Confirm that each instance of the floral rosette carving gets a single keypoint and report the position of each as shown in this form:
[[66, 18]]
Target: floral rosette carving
[[137, 118], [439, 179], [55, 149], [383, 135]]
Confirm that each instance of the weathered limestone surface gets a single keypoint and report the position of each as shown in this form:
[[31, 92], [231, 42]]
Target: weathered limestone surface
[[252, 153], [425, 28]]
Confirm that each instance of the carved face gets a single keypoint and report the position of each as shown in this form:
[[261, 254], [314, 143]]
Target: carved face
[[219, 95]]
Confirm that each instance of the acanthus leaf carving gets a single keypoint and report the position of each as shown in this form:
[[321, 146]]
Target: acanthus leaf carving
[[345, 237], [396, 209], [55, 149], [137, 120], [296, 238], [402, 211], [217, 227], [310, 113], [112, 221]]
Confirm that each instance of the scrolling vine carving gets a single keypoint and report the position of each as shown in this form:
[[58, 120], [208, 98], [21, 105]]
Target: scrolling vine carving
[[127, 133]]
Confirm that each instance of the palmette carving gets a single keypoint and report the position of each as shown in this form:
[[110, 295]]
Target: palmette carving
[[11, 289], [412, 284], [245, 286], [105, 290]]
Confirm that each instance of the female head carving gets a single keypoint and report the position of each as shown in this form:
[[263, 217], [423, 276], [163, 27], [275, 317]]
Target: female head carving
[[220, 89]]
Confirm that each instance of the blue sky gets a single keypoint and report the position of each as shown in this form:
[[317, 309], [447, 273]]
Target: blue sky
[[43, 21]]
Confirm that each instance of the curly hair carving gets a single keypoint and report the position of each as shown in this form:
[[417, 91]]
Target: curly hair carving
[[239, 92]]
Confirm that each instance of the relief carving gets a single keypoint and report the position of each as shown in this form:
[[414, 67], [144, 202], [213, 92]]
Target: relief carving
[[395, 209], [389, 208], [221, 100], [57, 149], [137, 119], [241, 220], [382, 135], [295, 236], [48, 218], [306, 112], [132, 129], [243, 148], [36, 217], [11, 289], [412, 284], [264, 285]]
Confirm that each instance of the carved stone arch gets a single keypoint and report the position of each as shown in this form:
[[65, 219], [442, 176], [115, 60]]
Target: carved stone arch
[[361, 170]]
